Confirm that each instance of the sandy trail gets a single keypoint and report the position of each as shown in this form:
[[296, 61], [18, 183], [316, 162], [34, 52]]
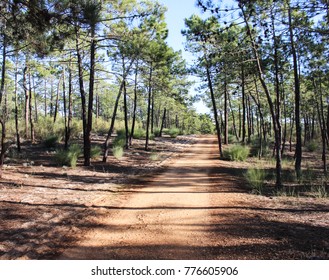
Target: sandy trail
[[198, 209], [167, 219]]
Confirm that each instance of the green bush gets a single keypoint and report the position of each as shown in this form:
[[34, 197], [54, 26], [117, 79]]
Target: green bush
[[117, 152], [68, 157], [95, 152], [237, 153], [256, 179], [51, 141], [156, 132], [173, 132], [139, 133], [312, 146]]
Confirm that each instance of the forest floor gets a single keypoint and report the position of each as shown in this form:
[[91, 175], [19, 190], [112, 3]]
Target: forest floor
[[181, 202]]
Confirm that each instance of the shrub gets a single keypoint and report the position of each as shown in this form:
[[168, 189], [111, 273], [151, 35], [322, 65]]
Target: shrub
[[95, 152], [154, 156], [139, 133], [68, 157], [237, 153], [256, 179], [117, 152], [156, 132], [173, 132], [51, 141], [312, 146]]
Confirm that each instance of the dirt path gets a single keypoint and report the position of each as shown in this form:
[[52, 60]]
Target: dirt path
[[165, 219], [197, 209]]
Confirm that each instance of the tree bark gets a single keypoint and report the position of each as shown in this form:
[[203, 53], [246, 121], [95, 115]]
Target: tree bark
[[149, 108], [298, 152], [215, 112]]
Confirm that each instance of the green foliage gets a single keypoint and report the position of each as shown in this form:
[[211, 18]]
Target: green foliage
[[173, 132], [256, 179], [206, 124], [312, 146], [51, 141], [101, 127], [156, 132], [117, 152], [139, 133], [68, 157], [118, 144], [120, 139], [95, 152], [236, 153]]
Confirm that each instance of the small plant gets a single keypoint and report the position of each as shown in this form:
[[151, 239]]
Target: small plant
[[237, 153], [173, 132], [312, 146], [256, 179], [51, 141], [139, 133], [156, 132], [117, 152], [154, 156], [95, 152], [68, 157], [320, 191]]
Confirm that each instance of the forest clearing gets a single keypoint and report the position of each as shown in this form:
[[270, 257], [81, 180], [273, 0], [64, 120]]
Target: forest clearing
[[104, 153]]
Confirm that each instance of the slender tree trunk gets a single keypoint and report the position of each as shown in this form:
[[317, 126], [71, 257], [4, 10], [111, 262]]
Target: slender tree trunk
[[109, 134], [3, 144], [298, 153], [126, 114], [243, 105], [225, 111], [3, 67], [65, 113], [82, 92], [45, 97], [152, 113], [30, 109], [233, 119], [135, 106], [18, 140], [26, 93], [149, 108], [163, 121], [215, 112], [36, 111], [57, 98], [87, 139]]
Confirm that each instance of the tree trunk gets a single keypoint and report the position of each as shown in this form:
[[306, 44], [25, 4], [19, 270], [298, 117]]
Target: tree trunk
[[30, 109], [87, 139], [135, 106], [3, 67], [243, 105], [109, 134], [215, 112], [26, 94], [225, 112], [126, 114], [18, 140], [163, 121], [149, 108], [298, 152], [82, 91], [69, 117]]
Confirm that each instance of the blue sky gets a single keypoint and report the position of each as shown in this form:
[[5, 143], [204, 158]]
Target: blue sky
[[178, 10]]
